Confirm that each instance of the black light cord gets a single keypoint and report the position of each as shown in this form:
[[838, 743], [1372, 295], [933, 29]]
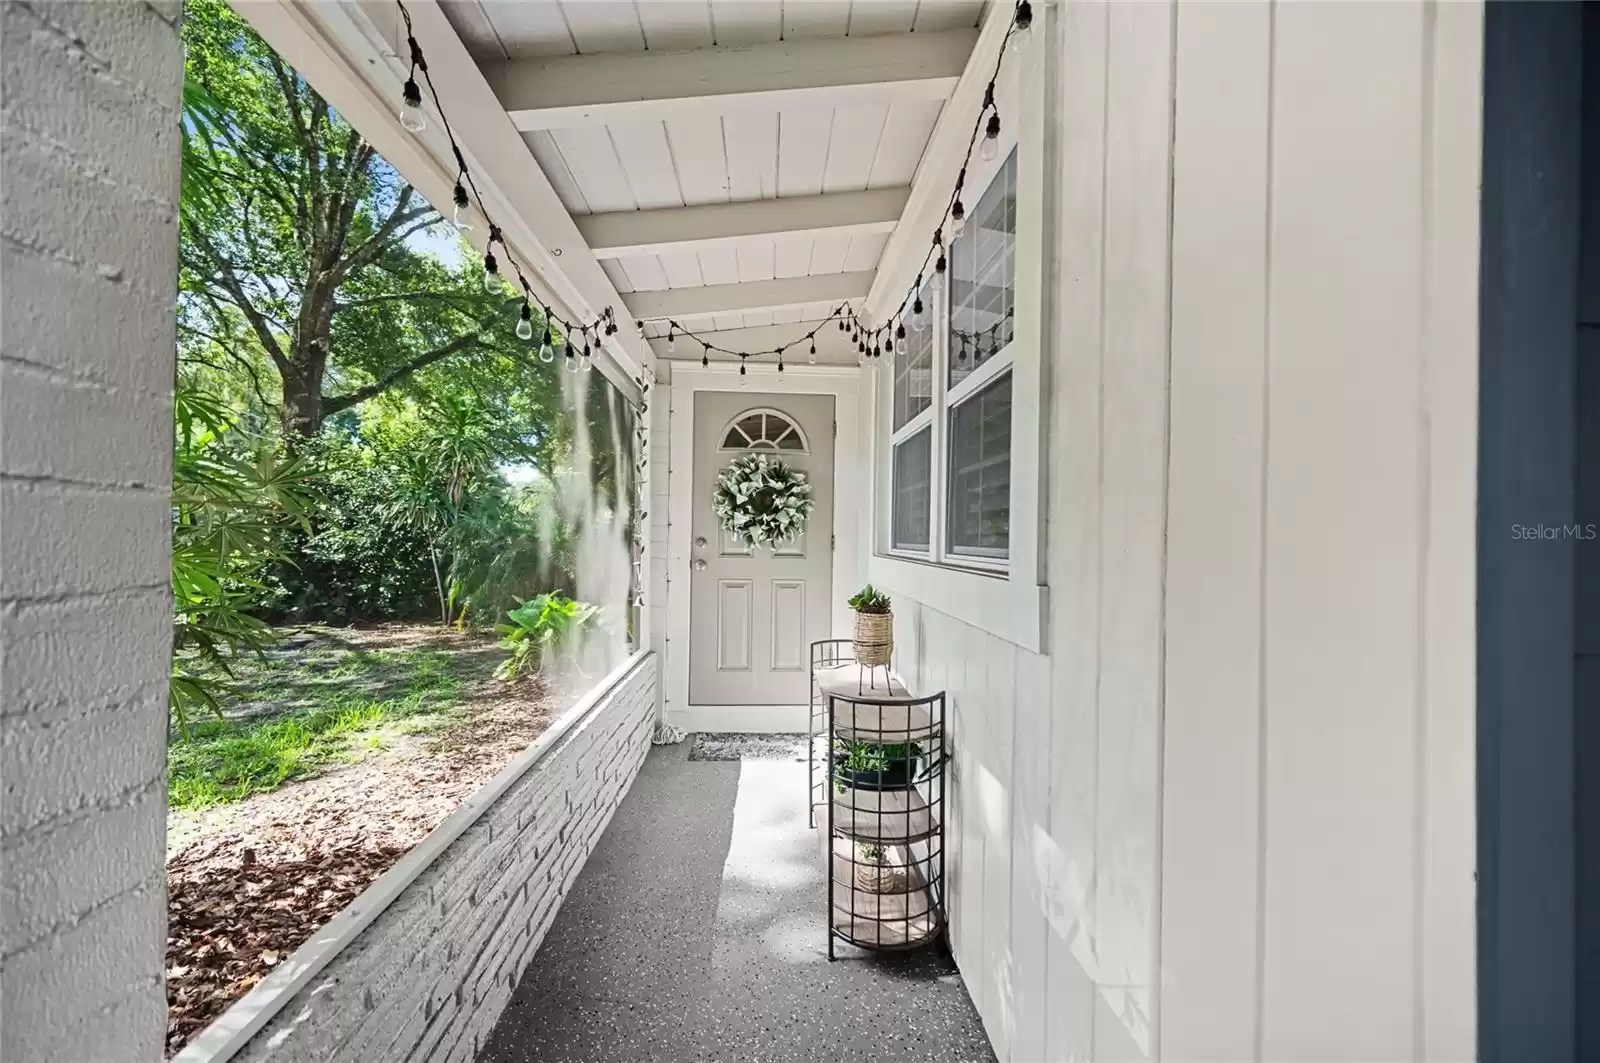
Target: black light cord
[[881, 337], [605, 322]]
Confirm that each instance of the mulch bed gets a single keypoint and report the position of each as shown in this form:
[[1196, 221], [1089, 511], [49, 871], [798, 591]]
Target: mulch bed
[[240, 901]]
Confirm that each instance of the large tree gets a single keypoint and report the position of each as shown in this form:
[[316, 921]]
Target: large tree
[[294, 241]]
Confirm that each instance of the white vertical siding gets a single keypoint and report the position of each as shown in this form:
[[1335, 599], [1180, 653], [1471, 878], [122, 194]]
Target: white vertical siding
[[1229, 814]]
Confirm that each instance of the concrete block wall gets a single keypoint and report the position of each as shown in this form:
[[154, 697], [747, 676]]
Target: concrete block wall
[[89, 106], [427, 980]]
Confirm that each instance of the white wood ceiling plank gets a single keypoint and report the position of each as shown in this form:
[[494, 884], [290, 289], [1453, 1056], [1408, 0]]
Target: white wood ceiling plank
[[870, 17], [604, 25], [793, 258], [647, 164], [683, 268], [645, 273], [936, 15], [803, 150], [555, 168], [619, 276], [675, 25], [758, 318], [724, 322], [752, 139], [815, 18], [592, 158], [789, 315], [828, 253], [473, 27], [719, 264], [853, 146], [700, 158], [749, 295], [639, 232], [904, 139], [757, 258], [529, 30], [865, 250], [739, 22], [556, 91]]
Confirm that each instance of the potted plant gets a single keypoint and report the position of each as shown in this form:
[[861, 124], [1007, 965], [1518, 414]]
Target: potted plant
[[875, 766], [874, 872], [874, 641]]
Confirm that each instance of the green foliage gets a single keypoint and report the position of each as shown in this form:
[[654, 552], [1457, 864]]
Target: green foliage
[[232, 497], [539, 627], [228, 759], [297, 266], [869, 600], [350, 564]]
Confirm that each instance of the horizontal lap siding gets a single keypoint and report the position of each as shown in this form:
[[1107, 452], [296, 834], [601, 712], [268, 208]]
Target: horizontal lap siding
[[427, 980]]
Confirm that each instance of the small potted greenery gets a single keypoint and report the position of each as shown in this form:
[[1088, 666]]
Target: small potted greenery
[[874, 641], [875, 766], [874, 872]]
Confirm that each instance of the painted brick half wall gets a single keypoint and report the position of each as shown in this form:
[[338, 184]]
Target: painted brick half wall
[[427, 980]]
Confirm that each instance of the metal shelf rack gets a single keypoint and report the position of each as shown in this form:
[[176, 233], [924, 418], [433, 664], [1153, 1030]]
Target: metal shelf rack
[[884, 829]]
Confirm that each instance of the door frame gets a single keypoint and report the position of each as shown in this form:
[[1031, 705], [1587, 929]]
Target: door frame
[[851, 510]]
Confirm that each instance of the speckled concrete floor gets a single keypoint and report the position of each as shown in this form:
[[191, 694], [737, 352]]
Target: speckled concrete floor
[[696, 932]]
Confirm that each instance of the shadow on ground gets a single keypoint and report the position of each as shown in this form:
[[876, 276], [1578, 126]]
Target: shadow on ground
[[696, 931]]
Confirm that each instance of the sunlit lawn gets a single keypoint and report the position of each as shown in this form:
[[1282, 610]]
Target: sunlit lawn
[[291, 715]]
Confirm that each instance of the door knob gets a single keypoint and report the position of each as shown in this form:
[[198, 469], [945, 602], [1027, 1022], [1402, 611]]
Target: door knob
[[700, 542], [699, 564]]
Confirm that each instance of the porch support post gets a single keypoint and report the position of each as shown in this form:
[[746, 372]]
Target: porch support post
[[88, 249]]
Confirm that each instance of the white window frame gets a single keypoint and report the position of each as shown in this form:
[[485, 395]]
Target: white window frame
[[1006, 597]]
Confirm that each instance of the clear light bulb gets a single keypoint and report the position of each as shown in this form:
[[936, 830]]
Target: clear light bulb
[[463, 217], [672, 343], [524, 329], [588, 363], [411, 116], [547, 353], [491, 281], [938, 280], [572, 363], [989, 149], [900, 345], [918, 320]]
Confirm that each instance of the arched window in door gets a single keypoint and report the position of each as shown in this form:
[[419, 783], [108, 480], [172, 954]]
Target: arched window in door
[[764, 429]]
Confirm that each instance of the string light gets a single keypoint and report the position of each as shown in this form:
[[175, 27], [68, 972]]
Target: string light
[[491, 273], [990, 148], [411, 116], [890, 337], [464, 192], [705, 356]]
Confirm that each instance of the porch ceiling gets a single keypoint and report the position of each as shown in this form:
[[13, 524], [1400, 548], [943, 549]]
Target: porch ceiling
[[731, 164]]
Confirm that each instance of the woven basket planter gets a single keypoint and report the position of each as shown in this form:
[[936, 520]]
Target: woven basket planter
[[881, 878], [874, 639]]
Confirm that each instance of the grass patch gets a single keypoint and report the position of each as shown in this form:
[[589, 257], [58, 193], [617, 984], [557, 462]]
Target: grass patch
[[335, 720]]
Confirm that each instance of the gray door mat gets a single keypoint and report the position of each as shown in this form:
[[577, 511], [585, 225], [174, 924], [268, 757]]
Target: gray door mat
[[715, 745]]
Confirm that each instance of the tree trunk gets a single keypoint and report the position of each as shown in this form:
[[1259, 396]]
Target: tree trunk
[[438, 584], [302, 390]]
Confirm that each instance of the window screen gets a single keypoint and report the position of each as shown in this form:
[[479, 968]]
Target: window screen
[[980, 472], [912, 487]]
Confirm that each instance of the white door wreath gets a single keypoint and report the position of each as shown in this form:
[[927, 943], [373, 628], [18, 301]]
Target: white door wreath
[[762, 501]]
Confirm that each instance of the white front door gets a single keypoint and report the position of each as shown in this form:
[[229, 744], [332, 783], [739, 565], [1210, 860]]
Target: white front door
[[754, 613]]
